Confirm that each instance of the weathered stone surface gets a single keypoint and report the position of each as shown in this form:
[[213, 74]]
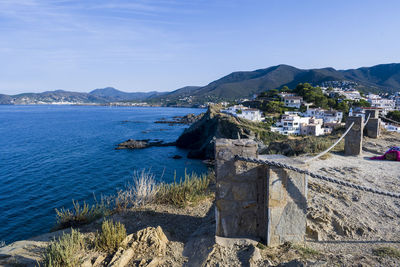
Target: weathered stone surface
[[373, 127], [230, 242], [150, 238], [353, 140], [147, 245], [244, 191], [257, 200], [373, 113], [122, 257]]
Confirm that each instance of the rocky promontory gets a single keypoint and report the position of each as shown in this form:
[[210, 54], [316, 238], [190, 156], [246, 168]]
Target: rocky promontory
[[199, 137]]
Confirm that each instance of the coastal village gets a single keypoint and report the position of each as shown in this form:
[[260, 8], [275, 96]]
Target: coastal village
[[166, 133], [301, 118]]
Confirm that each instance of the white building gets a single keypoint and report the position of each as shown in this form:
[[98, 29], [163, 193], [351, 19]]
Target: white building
[[292, 101], [329, 116], [379, 102], [233, 109], [352, 95], [357, 112], [251, 114], [290, 124], [241, 111], [314, 127], [396, 99], [391, 127], [332, 116], [293, 124]]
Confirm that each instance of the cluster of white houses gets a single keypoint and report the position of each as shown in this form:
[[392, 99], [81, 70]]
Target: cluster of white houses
[[317, 121], [314, 121]]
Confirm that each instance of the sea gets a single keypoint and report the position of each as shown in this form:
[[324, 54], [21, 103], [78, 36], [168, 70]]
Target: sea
[[53, 154]]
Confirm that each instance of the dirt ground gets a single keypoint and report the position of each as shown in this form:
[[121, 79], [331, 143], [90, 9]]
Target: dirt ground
[[345, 226]]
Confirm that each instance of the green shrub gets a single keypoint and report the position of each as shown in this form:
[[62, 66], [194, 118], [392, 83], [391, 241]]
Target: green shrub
[[79, 215], [386, 252], [261, 245], [189, 191], [305, 252], [65, 251], [111, 236]]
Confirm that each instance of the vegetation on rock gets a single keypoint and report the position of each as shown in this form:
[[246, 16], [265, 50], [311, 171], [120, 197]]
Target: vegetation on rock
[[394, 115], [80, 215], [185, 192], [65, 251], [110, 237]]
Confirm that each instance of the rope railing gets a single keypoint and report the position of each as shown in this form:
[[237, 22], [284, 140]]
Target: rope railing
[[318, 176], [332, 146], [393, 121], [369, 115]]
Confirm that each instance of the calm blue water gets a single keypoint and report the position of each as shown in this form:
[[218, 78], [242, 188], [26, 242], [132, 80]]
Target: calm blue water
[[50, 155]]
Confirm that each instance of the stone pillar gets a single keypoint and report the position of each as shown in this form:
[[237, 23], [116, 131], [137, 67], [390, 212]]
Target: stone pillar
[[372, 129], [240, 190], [287, 205], [373, 113], [258, 201], [353, 139]]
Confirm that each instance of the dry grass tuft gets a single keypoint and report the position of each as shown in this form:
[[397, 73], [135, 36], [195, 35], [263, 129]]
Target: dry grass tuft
[[111, 236], [80, 215], [141, 192], [65, 251], [386, 252], [187, 192]]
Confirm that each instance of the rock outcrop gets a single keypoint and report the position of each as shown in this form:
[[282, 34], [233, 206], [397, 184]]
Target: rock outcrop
[[199, 137], [187, 119], [144, 248], [138, 144]]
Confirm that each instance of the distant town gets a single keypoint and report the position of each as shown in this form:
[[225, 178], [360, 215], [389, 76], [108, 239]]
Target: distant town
[[294, 116]]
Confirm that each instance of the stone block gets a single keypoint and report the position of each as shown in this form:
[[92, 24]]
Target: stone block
[[372, 113], [373, 127], [226, 206], [244, 191], [224, 190], [353, 139], [255, 200]]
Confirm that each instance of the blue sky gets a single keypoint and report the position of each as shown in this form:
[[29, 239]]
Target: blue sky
[[162, 45]]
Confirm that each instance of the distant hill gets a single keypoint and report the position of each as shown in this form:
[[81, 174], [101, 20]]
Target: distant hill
[[98, 96], [241, 84], [178, 93], [116, 95], [380, 78]]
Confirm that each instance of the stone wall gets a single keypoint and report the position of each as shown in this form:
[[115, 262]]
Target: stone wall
[[258, 201]]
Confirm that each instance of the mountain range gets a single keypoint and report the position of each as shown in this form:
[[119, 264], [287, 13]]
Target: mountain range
[[384, 78]]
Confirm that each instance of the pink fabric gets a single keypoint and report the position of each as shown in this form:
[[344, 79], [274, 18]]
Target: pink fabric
[[389, 151]]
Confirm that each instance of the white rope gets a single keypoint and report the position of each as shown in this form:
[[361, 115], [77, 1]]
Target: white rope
[[365, 124], [393, 121], [332, 146], [318, 176]]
